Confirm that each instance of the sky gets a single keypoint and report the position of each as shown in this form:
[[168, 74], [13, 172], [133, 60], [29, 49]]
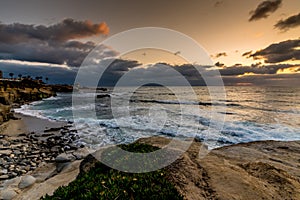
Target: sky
[[255, 42]]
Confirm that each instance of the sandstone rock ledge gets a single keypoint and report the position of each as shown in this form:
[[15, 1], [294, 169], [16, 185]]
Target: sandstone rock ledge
[[257, 170]]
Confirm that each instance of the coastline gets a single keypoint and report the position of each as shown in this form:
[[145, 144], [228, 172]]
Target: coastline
[[240, 171], [263, 169], [40, 149]]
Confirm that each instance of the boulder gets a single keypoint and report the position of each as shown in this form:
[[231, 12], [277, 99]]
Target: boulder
[[8, 194], [26, 181]]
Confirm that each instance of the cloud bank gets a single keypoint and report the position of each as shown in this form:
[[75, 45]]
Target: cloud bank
[[53, 44]]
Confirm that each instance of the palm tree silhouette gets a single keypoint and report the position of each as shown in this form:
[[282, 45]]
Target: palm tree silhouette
[[11, 75]]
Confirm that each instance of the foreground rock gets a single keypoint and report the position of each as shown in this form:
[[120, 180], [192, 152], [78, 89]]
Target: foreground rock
[[257, 170], [26, 181]]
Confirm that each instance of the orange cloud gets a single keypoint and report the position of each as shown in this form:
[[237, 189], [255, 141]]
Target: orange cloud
[[103, 28], [290, 70]]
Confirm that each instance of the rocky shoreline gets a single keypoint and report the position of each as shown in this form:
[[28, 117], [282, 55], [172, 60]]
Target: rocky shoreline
[[31, 158], [25, 152], [35, 163], [15, 93], [260, 170]]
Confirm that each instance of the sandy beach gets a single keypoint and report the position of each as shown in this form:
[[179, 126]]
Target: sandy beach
[[26, 124]]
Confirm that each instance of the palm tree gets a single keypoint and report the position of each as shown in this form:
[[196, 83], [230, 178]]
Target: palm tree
[[20, 76], [11, 75], [46, 79]]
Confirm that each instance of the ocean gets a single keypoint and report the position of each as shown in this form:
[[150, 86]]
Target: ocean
[[245, 114]]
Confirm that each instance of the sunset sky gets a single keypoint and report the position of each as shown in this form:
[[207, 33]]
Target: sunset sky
[[252, 42]]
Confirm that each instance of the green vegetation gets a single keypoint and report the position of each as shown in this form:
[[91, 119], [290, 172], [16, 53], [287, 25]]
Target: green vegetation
[[102, 182]]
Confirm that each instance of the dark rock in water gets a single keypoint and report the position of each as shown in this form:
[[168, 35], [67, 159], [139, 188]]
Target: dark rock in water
[[198, 139], [102, 96], [102, 89]]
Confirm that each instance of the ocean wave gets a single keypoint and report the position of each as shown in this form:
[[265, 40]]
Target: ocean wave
[[185, 102], [33, 113], [52, 98]]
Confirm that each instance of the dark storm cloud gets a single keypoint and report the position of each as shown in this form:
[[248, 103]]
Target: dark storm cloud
[[115, 69], [66, 30], [159, 71], [50, 44], [194, 74], [55, 74], [290, 22], [264, 9], [218, 55], [279, 52]]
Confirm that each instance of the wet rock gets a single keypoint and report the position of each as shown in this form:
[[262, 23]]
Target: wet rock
[[26, 181]]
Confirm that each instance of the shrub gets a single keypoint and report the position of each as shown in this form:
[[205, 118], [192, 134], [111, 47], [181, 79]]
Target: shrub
[[102, 182]]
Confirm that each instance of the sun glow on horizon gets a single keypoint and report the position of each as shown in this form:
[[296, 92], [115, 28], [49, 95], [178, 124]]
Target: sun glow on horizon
[[290, 70]]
